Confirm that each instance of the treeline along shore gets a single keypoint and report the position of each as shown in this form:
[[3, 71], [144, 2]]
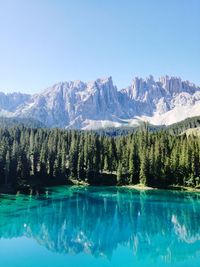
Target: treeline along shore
[[42, 157]]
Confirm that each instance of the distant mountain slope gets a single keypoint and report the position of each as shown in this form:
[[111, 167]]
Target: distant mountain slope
[[183, 126], [189, 126], [27, 122], [99, 104], [10, 102]]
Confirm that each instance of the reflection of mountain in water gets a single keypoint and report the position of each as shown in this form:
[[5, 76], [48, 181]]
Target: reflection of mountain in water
[[96, 221]]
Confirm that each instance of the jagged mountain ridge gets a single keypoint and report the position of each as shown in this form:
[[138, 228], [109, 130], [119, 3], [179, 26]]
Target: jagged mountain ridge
[[100, 104]]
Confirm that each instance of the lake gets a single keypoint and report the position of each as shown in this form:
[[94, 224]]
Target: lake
[[100, 226]]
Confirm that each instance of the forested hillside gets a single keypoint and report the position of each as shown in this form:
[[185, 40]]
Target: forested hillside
[[176, 128], [44, 157], [11, 122], [182, 126]]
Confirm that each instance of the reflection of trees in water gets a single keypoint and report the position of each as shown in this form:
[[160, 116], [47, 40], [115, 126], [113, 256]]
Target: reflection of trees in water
[[152, 223]]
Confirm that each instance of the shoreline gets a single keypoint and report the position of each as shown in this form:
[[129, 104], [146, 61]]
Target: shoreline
[[184, 188], [139, 187], [172, 187]]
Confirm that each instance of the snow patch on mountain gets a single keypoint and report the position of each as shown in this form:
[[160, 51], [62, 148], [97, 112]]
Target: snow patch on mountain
[[177, 114]]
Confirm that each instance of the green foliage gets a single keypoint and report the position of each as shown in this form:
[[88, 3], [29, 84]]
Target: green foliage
[[54, 156]]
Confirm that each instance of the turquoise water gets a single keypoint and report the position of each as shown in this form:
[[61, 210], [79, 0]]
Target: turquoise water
[[90, 226]]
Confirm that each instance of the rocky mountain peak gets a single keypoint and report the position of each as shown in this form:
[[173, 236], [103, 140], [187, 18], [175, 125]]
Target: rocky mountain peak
[[106, 80], [87, 105]]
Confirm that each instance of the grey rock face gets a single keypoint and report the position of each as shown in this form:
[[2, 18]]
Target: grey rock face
[[96, 104], [10, 102]]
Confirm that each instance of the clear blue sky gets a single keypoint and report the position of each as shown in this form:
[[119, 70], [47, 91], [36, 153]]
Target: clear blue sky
[[46, 41]]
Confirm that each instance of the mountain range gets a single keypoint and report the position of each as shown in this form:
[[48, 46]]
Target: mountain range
[[99, 104]]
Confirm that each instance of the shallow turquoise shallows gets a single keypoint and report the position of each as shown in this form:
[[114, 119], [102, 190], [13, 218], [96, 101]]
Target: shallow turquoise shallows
[[98, 226]]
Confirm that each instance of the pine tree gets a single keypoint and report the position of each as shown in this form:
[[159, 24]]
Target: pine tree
[[144, 169], [7, 167], [119, 173]]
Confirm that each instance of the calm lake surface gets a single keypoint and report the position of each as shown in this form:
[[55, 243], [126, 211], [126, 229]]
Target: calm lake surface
[[98, 226]]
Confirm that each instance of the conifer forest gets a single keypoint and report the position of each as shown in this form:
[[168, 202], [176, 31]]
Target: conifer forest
[[37, 156]]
